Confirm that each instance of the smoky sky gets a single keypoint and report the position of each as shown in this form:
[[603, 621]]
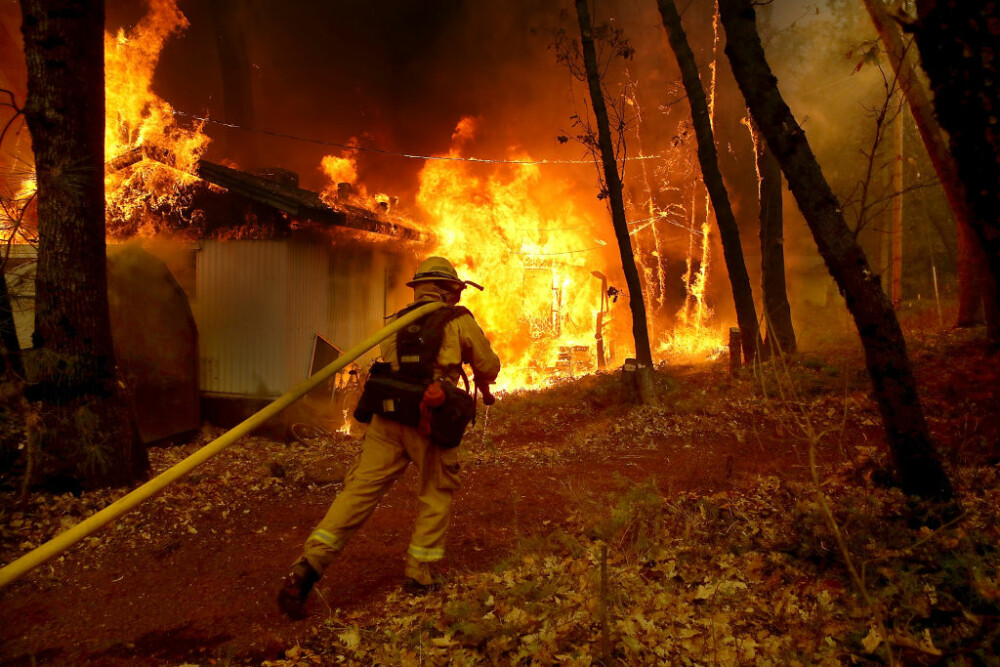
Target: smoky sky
[[398, 76], [395, 75]]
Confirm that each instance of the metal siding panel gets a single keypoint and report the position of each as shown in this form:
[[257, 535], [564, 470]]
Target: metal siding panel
[[357, 296], [240, 311], [307, 305]]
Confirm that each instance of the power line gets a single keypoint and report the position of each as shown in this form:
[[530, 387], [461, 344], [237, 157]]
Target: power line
[[551, 254], [369, 149]]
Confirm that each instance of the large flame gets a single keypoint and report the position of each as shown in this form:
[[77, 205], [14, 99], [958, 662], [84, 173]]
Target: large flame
[[526, 241], [139, 119]]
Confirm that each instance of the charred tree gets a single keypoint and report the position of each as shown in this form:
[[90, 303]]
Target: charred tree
[[732, 249], [88, 433], [780, 336], [613, 182], [919, 466], [971, 262], [957, 40]]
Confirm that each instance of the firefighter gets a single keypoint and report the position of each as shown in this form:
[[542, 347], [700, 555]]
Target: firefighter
[[390, 446]]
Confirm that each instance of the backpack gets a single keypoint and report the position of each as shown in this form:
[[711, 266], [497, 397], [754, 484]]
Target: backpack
[[397, 395]]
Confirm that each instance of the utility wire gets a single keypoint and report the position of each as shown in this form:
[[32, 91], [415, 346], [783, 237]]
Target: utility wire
[[413, 156], [550, 254]]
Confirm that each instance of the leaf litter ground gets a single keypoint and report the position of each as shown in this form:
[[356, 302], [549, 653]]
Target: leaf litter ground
[[589, 530]]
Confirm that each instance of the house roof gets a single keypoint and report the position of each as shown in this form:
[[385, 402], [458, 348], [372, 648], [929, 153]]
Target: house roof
[[304, 205]]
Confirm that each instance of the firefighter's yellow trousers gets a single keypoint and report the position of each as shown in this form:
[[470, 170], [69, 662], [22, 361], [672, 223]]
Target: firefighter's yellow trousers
[[388, 449]]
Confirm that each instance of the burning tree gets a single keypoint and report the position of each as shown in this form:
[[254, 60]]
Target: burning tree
[[746, 312], [87, 430], [613, 184]]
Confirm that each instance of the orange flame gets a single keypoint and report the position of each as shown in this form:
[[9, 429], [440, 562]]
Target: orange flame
[[340, 169], [344, 169], [526, 242], [138, 118]]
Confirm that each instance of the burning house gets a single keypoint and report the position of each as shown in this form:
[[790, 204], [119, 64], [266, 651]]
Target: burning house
[[271, 311], [214, 328]]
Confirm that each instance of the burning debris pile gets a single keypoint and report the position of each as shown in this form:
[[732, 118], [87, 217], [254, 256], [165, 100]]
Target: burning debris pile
[[533, 248]]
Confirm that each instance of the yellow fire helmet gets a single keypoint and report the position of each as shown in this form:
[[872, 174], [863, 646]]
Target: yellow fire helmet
[[439, 269]]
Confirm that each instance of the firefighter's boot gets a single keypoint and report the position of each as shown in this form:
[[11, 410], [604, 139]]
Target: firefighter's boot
[[295, 589], [419, 577]]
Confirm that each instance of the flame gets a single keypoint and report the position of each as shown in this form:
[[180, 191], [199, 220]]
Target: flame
[[17, 213], [137, 118], [692, 338], [340, 170], [502, 225], [343, 169], [523, 239]]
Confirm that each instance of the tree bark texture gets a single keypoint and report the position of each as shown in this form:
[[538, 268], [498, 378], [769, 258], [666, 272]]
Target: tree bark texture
[[10, 355], [959, 51], [609, 163], [708, 158], [89, 433], [895, 389], [903, 61], [972, 269], [777, 312]]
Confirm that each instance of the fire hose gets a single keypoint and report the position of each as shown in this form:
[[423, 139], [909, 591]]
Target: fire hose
[[68, 538]]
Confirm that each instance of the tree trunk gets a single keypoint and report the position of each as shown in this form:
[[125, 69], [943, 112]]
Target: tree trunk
[[777, 313], [958, 49], [897, 213], [609, 163], [89, 433], [972, 267], [895, 390], [10, 355], [729, 232], [903, 61]]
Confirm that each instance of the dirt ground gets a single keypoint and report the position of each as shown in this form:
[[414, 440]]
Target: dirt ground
[[192, 578], [199, 597]]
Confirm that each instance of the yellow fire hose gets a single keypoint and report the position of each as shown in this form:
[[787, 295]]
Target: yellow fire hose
[[66, 539]]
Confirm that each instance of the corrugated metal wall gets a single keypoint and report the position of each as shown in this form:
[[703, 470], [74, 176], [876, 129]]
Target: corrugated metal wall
[[260, 303], [307, 306], [357, 296]]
